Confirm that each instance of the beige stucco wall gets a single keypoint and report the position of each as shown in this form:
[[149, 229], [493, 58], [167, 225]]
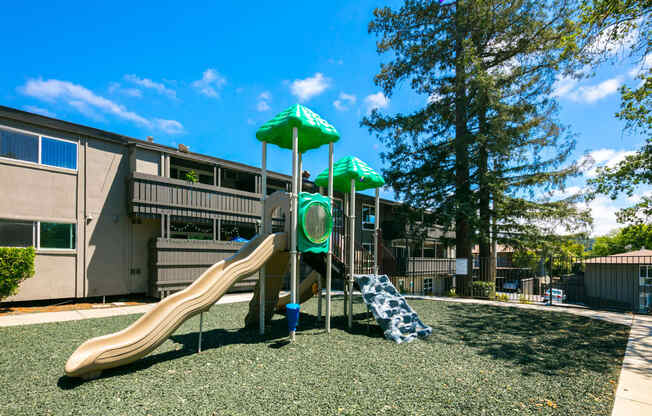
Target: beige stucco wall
[[107, 226], [148, 161], [54, 278], [36, 192]]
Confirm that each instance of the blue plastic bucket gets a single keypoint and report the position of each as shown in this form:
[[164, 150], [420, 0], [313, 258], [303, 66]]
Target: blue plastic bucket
[[292, 310]]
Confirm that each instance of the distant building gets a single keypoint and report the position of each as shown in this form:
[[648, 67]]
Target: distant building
[[622, 280]]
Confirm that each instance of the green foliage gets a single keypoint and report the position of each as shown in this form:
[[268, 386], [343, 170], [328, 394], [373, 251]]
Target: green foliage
[[485, 290], [525, 258], [16, 265], [452, 294], [626, 178], [486, 142], [502, 297], [524, 300], [192, 176], [633, 237]]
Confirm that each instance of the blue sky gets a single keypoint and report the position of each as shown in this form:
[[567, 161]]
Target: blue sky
[[208, 76]]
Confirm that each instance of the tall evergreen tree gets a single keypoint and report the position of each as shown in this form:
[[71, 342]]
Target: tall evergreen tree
[[486, 129]]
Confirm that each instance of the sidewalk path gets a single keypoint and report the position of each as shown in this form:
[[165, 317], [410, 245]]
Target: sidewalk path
[[46, 317], [634, 394]]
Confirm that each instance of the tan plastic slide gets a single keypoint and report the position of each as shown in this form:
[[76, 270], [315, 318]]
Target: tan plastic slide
[[153, 328]]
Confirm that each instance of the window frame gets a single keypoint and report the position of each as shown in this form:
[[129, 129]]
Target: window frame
[[40, 149], [36, 236], [373, 224], [648, 271]]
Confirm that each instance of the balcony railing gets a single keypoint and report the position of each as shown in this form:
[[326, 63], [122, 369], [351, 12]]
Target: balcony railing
[[154, 195]]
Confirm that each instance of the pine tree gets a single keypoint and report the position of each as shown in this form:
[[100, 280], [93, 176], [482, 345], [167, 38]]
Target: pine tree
[[487, 129]]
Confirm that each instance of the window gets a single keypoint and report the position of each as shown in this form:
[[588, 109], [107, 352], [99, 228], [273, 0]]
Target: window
[[427, 286], [16, 233], [192, 230], [20, 146], [58, 153], [56, 235], [33, 148], [48, 235], [368, 217], [645, 275]]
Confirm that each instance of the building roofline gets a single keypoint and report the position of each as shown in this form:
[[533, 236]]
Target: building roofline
[[61, 125], [80, 129]]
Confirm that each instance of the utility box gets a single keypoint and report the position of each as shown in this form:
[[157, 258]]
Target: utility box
[[315, 223]]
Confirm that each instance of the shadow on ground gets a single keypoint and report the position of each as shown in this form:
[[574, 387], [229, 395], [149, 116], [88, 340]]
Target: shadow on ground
[[538, 342], [217, 338]]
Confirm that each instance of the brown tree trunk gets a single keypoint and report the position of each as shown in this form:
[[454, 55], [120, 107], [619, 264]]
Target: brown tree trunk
[[463, 196]]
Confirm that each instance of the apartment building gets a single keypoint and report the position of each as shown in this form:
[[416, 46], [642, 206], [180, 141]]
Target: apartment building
[[114, 215]]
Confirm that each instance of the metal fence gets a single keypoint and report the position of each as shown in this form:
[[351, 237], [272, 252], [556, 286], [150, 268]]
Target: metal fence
[[617, 282]]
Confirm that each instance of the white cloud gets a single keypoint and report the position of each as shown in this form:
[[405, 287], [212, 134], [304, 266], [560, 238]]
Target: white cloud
[[603, 211], [148, 83], [433, 98], [593, 93], [562, 86], [90, 104], [335, 61], [210, 83], [568, 88], [607, 43], [603, 157], [263, 101], [642, 67], [168, 126], [305, 89], [376, 101], [39, 110], [344, 100], [116, 87]]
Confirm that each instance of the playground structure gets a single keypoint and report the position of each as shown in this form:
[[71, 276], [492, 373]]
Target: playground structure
[[300, 130]]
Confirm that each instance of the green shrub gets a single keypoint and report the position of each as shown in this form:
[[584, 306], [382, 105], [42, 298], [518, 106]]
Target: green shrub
[[485, 290], [523, 299], [503, 297], [451, 293], [192, 176], [16, 265]]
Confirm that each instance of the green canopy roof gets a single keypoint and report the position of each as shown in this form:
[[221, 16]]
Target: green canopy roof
[[349, 168], [314, 131]]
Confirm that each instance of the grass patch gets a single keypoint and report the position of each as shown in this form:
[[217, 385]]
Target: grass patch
[[480, 360]]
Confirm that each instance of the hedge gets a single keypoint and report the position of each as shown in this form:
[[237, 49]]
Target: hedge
[[484, 289], [16, 265]]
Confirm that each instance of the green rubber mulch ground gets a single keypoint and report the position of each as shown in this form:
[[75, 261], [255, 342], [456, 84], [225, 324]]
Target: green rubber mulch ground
[[480, 361]]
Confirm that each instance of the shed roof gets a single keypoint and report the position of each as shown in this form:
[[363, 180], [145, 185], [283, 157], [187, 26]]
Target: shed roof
[[642, 256]]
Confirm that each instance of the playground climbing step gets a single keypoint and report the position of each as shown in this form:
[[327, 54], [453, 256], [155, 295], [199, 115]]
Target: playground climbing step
[[398, 320]]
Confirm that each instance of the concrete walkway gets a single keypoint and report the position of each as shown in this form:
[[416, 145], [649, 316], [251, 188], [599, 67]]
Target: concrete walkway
[[633, 396], [47, 317]]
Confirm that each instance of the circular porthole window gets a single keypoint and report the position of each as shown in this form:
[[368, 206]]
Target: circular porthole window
[[317, 222]]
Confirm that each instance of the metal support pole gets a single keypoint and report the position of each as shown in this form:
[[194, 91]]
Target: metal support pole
[[263, 271], [201, 324], [352, 252], [345, 254], [293, 229], [329, 259], [376, 230]]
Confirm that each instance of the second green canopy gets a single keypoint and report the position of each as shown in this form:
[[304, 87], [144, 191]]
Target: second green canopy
[[348, 168]]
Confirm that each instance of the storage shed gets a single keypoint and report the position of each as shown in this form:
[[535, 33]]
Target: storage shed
[[621, 280]]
